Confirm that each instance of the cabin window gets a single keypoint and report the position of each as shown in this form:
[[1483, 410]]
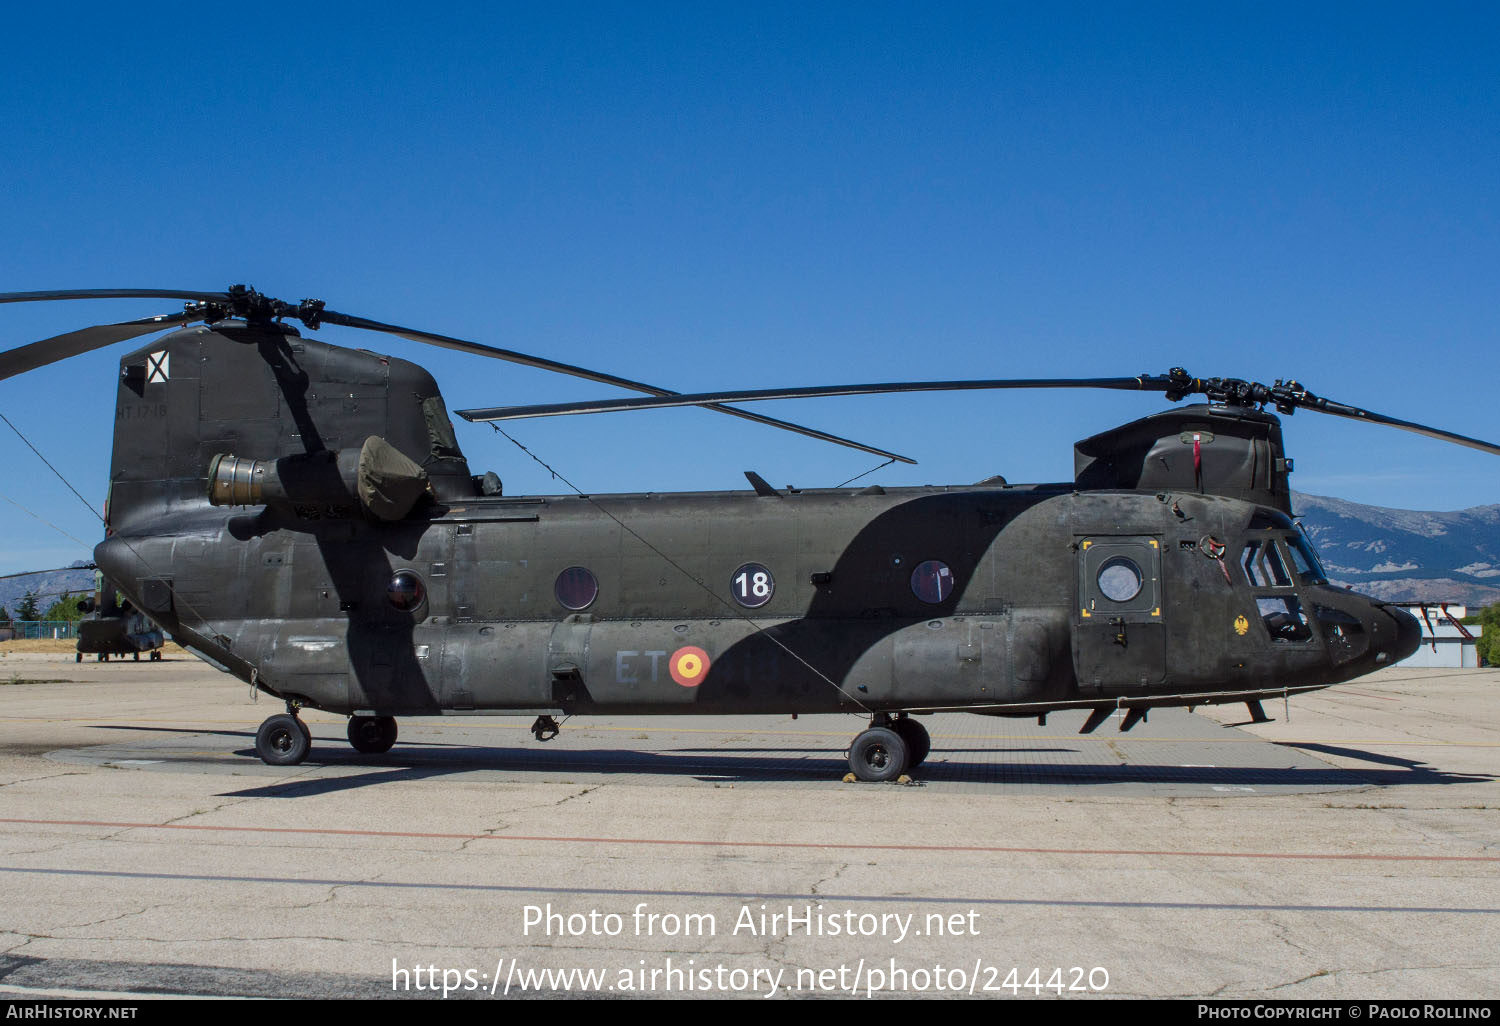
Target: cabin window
[[932, 581], [752, 585], [576, 588], [1120, 579], [405, 591]]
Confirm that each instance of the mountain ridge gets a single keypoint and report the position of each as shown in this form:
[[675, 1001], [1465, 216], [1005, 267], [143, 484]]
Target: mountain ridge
[[1403, 555]]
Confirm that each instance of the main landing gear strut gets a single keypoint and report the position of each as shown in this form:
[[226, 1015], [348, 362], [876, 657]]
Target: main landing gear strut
[[889, 747], [372, 735], [284, 740]]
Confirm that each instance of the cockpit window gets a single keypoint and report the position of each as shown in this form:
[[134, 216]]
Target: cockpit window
[[1263, 565], [1284, 619], [1275, 567], [1252, 572], [1309, 570]]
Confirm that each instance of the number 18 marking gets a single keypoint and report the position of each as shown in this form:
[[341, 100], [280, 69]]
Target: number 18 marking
[[752, 585]]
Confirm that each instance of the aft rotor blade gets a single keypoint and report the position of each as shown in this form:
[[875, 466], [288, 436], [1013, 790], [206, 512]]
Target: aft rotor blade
[[526, 360], [42, 297], [1135, 384], [85, 340], [54, 570]]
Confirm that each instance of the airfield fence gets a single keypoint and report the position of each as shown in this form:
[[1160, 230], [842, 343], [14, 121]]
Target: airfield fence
[[30, 630]]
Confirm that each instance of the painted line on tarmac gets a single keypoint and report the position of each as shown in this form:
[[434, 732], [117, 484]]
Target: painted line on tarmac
[[834, 846], [1188, 906]]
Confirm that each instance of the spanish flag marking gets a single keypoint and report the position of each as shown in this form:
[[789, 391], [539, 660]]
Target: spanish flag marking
[[689, 665]]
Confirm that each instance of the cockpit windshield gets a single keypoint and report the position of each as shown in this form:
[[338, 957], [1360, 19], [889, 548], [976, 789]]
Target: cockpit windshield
[[1309, 570], [1267, 564]]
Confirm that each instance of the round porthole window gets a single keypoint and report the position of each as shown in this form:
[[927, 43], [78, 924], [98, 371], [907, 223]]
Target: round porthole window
[[576, 588], [752, 585], [932, 581], [1120, 579], [405, 590]]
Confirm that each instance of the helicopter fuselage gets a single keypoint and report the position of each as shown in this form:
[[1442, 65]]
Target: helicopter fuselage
[[1010, 600], [300, 515]]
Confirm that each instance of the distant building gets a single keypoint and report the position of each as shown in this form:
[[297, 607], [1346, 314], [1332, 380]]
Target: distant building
[[1446, 639]]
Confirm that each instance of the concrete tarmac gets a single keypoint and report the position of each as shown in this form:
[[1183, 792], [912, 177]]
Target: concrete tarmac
[[1348, 852]]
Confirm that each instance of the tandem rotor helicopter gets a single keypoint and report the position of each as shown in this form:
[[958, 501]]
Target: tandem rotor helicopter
[[299, 515]]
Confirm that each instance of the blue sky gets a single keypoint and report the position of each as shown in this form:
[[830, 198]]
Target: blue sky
[[703, 196]]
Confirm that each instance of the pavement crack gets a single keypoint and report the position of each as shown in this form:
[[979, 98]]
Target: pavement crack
[[59, 846], [327, 899], [580, 794], [829, 878], [484, 834], [554, 803], [203, 812], [1320, 974], [114, 918], [26, 939], [45, 776]]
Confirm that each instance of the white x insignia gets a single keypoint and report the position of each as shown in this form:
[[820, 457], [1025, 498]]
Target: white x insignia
[[156, 367]]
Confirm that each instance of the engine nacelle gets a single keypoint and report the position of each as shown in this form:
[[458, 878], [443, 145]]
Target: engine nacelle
[[376, 479]]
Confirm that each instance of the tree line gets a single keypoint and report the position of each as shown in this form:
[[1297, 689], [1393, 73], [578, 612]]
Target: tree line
[[29, 608], [1488, 643]]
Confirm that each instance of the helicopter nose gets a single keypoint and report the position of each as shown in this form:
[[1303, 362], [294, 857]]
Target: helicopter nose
[[1408, 633]]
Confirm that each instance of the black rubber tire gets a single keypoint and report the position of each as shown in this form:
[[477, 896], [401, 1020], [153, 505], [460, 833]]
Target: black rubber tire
[[878, 755], [372, 735], [282, 740], [918, 741]]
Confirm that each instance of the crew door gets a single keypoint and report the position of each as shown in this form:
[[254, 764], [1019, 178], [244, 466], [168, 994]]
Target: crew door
[[1119, 640]]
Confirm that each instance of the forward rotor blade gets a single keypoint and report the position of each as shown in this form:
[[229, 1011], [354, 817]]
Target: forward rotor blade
[[1337, 409], [525, 360], [85, 340], [1135, 384]]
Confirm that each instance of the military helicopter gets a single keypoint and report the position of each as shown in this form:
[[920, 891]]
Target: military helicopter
[[112, 626], [300, 515]]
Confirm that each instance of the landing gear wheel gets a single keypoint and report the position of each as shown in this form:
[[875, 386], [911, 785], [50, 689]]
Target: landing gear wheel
[[372, 734], [918, 741], [282, 740], [878, 755], [156, 656]]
